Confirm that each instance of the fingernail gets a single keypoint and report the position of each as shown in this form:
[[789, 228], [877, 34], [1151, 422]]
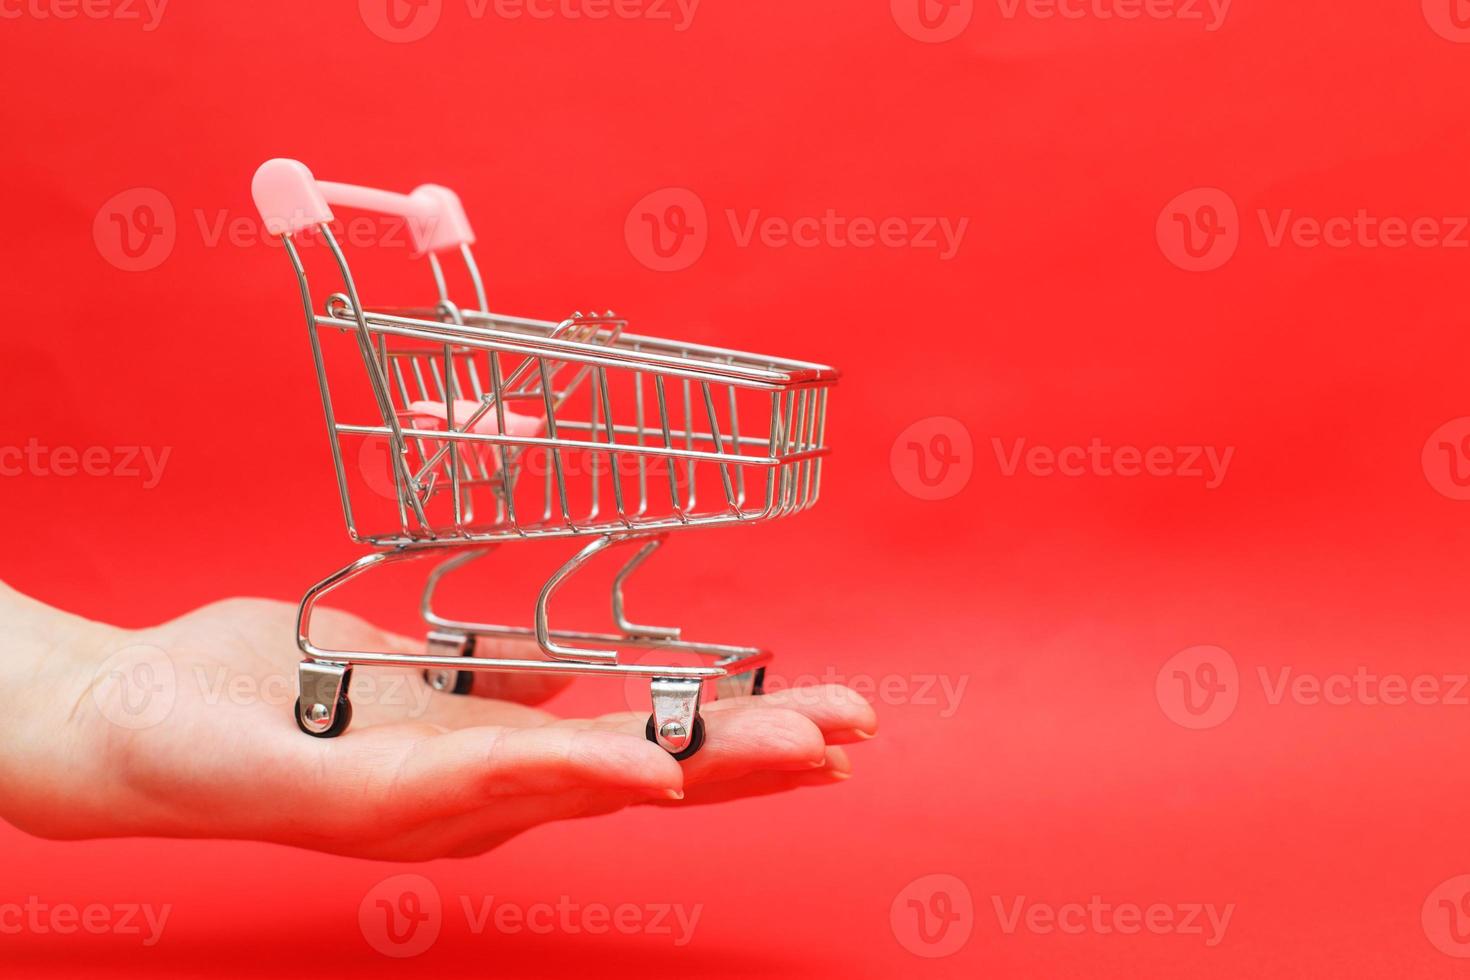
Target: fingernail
[[673, 794], [856, 734], [838, 774], [820, 763]]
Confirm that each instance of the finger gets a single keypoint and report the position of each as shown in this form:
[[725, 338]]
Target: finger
[[737, 741], [842, 714], [415, 773], [472, 834], [743, 741], [837, 770]]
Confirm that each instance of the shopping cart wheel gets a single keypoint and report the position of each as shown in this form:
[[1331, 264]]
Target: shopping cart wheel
[[442, 644], [696, 740], [675, 725], [322, 708], [340, 720]]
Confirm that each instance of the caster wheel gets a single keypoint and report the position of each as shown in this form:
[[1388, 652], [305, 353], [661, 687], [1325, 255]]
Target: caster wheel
[[453, 681], [339, 724], [464, 682], [695, 741]]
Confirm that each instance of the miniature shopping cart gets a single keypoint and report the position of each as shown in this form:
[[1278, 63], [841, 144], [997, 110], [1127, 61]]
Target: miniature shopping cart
[[454, 430]]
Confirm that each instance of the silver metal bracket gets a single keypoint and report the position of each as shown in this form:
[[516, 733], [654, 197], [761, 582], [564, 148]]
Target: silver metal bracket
[[745, 673], [675, 706], [322, 685], [740, 685], [444, 644]]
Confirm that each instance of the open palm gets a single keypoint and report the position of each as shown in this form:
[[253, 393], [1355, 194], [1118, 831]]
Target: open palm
[[215, 752]]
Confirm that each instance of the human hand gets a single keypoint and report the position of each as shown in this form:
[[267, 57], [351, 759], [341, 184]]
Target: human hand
[[419, 775]]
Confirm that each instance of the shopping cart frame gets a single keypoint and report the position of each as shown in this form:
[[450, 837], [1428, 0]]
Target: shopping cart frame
[[292, 202]]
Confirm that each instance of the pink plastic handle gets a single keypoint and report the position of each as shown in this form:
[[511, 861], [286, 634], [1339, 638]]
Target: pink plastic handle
[[290, 200]]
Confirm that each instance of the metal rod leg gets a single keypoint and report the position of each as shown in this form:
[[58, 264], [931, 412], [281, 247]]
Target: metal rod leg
[[335, 581], [322, 708], [452, 564], [448, 638], [629, 628], [553, 649]]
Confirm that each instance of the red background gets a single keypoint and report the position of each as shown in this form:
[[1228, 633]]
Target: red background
[[1056, 600]]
